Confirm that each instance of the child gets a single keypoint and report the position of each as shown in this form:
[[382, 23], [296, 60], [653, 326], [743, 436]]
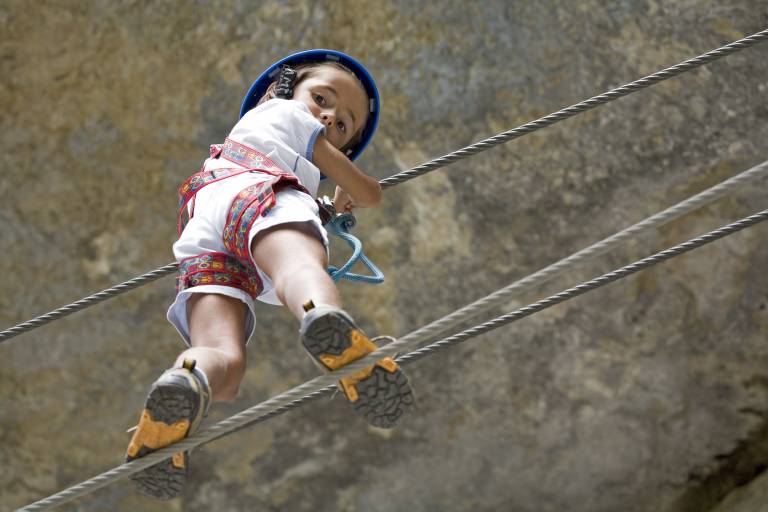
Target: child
[[254, 233]]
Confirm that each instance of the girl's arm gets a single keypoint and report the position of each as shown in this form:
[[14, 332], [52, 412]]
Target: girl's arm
[[364, 190]]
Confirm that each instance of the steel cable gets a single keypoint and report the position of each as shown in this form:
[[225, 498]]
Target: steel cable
[[428, 167], [88, 301], [571, 111], [539, 277], [324, 385]]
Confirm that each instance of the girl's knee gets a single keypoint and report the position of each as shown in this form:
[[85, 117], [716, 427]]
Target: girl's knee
[[233, 363], [233, 377], [236, 364]]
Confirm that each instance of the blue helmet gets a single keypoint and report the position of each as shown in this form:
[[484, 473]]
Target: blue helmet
[[259, 87]]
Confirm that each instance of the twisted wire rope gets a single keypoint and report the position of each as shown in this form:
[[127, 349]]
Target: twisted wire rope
[[88, 301], [317, 388], [571, 111], [428, 167], [539, 277], [324, 385]]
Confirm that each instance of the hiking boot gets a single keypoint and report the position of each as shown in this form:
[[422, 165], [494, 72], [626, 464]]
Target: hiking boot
[[176, 404], [380, 393]]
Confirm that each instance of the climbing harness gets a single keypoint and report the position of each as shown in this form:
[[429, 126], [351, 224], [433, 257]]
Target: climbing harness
[[250, 203], [325, 384], [234, 268]]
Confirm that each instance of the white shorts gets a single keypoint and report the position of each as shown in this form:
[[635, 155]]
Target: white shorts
[[203, 234]]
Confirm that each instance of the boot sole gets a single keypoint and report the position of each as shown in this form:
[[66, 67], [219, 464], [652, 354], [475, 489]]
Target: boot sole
[[380, 393], [168, 414]]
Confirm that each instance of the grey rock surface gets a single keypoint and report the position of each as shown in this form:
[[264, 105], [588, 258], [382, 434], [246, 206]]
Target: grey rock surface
[[752, 498], [649, 394]]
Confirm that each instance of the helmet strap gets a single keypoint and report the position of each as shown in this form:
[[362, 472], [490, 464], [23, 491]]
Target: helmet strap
[[285, 82]]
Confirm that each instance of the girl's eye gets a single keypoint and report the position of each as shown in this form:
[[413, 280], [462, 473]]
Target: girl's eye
[[319, 99], [342, 127]]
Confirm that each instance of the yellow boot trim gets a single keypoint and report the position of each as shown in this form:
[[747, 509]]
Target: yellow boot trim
[[361, 346], [388, 364], [348, 383], [155, 434], [178, 460]]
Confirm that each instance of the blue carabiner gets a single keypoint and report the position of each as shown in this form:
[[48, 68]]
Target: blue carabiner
[[340, 225]]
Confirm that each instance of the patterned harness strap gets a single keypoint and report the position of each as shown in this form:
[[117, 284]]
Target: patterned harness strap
[[235, 269], [246, 156], [249, 204], [250, 159], [217, 268], [193, 185]]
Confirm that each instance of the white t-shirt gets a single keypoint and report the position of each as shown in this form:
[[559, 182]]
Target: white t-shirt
[[285, 131]]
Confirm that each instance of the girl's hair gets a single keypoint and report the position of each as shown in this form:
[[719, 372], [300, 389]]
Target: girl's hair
[[304, 71]]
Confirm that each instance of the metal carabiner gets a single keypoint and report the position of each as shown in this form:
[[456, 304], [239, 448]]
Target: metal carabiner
[[339, 224]]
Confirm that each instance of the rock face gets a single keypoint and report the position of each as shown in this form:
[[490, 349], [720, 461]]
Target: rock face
[[648, 394], [753, 497]]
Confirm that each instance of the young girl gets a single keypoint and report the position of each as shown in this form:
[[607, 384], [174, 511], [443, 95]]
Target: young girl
[[254, 232]]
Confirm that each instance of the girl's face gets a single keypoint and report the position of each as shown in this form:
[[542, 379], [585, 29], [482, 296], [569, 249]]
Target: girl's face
[[336, 99]]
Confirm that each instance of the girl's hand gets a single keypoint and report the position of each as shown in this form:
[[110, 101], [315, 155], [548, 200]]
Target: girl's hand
[[365, 189], [342, 201]]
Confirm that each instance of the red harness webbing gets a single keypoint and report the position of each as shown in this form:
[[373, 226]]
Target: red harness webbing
[[217, 268], [251, 159], [236, 268]]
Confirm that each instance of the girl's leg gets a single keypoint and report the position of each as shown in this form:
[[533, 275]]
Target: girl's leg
[[177, 401], [295, 259], [216, 325]]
